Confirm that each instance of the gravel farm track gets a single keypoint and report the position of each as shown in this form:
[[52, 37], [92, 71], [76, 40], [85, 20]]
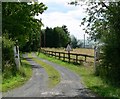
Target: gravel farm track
[[69, 86]]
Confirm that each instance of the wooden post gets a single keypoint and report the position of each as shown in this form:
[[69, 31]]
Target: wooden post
[[44, 39], [85, 58], [68, 49], [69, 56], [55, 54], [59, 55], [49, 53], [64, 56], [84, 40], [52, 53], [76, 58]]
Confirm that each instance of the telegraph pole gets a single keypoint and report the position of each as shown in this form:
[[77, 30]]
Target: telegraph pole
[[84, 40], [44, 39], [40, 42]]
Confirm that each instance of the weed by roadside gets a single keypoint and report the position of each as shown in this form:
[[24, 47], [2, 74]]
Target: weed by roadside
[[20, 78]]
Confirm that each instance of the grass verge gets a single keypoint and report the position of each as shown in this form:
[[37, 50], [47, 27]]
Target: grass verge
[[95, 83], [53, 75], [21, 77]]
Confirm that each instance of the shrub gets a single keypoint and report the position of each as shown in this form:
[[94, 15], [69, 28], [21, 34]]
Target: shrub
[[8, 65]]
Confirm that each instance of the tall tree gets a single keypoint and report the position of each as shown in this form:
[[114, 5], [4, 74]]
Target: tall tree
[[49, 37], [103, 24], [19, 23], [63, 36], [56, 37], [74, 41]]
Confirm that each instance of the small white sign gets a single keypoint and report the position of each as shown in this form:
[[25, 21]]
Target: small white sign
[[68, 48]]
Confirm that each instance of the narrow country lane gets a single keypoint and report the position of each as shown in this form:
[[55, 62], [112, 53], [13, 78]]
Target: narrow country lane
[[69, 86], [35, 86]]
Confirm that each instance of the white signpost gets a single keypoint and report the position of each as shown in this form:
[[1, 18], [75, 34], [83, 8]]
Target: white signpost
[[68, 48], [16, 56]]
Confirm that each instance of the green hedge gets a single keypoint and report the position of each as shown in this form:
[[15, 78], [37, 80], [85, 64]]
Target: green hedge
[[8, 65]]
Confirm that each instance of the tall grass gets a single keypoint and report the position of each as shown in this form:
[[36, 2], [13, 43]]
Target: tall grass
[[20, 78]]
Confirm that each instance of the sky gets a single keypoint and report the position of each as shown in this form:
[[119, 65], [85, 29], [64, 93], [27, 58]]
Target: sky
[[60, 13]]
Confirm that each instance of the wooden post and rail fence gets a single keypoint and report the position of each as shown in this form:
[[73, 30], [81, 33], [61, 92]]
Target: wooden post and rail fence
[[69, 57]]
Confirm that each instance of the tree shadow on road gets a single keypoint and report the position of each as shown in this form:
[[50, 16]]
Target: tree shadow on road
[[34, 65], [85, 92]]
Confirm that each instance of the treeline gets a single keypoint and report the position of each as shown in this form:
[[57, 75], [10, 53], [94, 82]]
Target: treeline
[[55, 37], [59, 37], [75, 43]]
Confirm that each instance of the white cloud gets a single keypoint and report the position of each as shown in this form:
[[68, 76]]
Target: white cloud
[[71, 18]]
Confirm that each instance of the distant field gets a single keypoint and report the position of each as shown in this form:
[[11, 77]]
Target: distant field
[[77, 50]]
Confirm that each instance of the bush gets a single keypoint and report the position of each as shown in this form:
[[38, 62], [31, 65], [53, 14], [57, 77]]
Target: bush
[[8, 65], [110, 66]]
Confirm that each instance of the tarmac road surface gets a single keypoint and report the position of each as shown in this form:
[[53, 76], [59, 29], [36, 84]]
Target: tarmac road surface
[[69, 86]]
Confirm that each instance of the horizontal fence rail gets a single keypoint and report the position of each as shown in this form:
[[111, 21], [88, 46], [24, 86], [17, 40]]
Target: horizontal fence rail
[[69, 57]]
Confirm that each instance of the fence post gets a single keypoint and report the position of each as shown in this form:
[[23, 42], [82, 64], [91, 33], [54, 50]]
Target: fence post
[[85, 58], [49, 53], [52, 53], [45, 52], [55, 54], [69, 56], [64, 56], [59, 55], [76, 58]]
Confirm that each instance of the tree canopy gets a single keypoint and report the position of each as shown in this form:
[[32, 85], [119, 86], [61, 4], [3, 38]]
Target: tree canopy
[[18, 21], [55, 37], [103, 22]]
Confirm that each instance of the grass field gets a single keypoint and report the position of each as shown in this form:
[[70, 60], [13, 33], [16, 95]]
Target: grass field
[[76, 51]]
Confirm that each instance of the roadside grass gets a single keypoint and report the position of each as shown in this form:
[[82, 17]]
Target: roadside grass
[[89, 80], [53, 75], [0, 63], [21, 77], [0, 82]]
